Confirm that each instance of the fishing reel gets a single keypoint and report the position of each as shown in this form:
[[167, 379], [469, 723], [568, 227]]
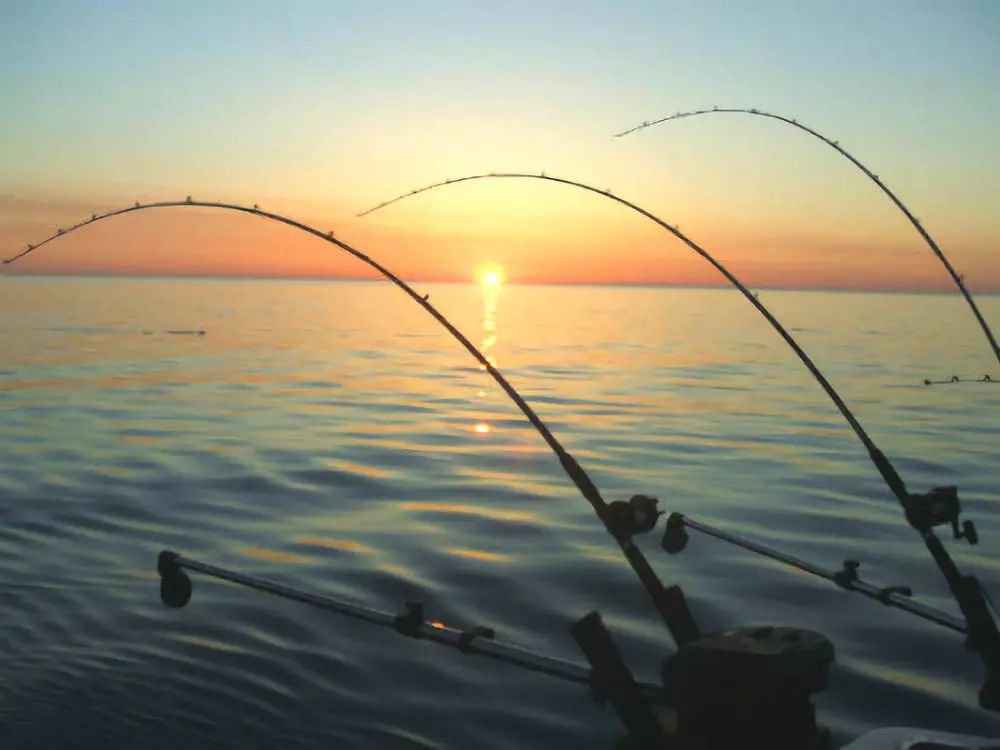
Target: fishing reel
[[675, 538], [175, 584], [939, 507], [637, 516]]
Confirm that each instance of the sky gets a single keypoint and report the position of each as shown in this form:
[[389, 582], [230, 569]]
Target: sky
[[319, 110]]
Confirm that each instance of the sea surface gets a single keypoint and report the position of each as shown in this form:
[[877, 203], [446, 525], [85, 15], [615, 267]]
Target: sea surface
[[331, 436]]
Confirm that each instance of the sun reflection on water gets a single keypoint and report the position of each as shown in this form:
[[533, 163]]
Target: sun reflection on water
[[491, 279]]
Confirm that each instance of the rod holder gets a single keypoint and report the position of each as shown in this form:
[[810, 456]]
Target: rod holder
[[612, 680]]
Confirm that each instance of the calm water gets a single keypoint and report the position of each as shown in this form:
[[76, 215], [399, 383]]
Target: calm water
[[330, 436]]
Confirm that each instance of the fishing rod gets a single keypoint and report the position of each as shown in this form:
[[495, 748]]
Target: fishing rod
[[675, 540], [609, 675], [923, 511], [956, 277], [621, 519], [176, 590]]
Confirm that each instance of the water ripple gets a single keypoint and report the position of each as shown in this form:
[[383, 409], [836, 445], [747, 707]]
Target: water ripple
[[339, 452]]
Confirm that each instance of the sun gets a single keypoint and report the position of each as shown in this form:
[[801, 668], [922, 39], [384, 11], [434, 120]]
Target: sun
[[490, 275]]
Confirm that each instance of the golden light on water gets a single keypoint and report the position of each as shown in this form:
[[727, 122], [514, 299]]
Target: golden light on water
[[490, 277], [476, 554]]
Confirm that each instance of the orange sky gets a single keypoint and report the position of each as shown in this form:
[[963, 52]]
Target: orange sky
[[323, 109], [589, 242]]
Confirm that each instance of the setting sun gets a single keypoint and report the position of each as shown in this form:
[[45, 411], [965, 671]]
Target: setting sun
[[491, 275]]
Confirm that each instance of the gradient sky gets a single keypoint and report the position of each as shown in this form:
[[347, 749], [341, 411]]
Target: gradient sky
[[321, 109]]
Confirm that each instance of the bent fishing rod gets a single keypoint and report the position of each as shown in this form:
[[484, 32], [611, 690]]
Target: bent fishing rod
[[923, 511], [878, 458], [835, 145], [669, 602]]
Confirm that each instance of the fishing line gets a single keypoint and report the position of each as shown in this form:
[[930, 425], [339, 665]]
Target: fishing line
[[956, 277], [668, 602]]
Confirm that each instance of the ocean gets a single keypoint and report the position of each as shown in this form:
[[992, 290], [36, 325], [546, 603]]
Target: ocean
[[331, 436]]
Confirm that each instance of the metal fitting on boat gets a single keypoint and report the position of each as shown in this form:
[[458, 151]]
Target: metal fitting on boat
[[749, 688]]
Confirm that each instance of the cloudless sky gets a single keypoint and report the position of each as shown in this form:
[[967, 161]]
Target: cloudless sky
[[321, 109]]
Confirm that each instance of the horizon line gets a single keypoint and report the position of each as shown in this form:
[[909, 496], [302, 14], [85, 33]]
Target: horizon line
[[569, 283]]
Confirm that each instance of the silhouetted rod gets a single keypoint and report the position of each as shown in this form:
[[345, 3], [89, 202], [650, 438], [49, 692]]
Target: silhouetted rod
[[955, 276], [435, 632], [882, 464], [890, 596], [573, 470]]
